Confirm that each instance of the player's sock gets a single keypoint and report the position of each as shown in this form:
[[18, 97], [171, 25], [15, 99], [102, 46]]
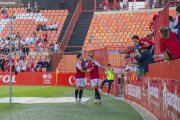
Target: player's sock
[[76, 93], [95, 94], [80, 94], [98, 94]]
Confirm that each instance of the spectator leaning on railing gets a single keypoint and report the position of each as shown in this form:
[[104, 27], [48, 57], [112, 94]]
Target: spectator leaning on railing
[[143, 43], [169, 45]]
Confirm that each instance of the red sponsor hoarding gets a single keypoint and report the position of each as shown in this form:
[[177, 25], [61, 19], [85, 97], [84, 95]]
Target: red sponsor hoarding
[[159, 95], [47, 79]]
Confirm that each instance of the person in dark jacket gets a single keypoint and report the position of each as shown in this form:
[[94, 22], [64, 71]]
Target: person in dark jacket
[[145, 58]]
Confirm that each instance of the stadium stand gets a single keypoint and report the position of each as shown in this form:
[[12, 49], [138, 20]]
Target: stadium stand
[[117, 28], [26, 23]]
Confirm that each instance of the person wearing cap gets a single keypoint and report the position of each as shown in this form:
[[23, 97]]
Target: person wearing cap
[[110, 78]]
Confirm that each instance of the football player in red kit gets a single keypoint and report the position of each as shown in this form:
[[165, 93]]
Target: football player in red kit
[[93, 67], [80, 78]]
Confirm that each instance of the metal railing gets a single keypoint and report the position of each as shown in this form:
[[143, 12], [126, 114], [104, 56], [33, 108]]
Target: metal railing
[[70, 28]]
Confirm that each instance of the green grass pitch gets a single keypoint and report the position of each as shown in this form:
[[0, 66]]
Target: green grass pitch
[[110, 109]]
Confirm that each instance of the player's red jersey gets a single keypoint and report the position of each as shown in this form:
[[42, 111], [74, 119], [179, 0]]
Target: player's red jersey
[[94, 65], [80, 66]]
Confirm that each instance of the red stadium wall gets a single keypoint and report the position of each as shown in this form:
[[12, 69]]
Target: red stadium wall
[[47, 79], [158, 91]]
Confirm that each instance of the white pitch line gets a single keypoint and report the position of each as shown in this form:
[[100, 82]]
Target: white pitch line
[[34, 100]]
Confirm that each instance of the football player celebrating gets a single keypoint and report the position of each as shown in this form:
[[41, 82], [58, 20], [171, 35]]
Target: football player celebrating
[[93, 67], [80, 78]]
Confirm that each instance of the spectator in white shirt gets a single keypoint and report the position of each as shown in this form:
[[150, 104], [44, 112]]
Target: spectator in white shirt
[[56, 47], [54, 26], [23, 65], [171, 23], [18, 66], [124, 2]]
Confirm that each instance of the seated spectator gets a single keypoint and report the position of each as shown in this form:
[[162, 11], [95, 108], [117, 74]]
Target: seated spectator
[[55, 26], [143, 43], [4, 16], [34, 38], [4, 10], [169, 44], [29, 7], [171, 23], [44, 27], [115, 5], [144, 59], [61, 4], [39, 27], [177, 21], [12, 14]]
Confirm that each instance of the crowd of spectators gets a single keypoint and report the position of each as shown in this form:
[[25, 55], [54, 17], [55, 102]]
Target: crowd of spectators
[[141, 54], [124, 4], [115, 5], [21, 65]]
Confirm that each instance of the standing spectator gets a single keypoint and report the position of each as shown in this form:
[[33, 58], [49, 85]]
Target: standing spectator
[[61, 4], [105, 5], [51, 47], [45, 37], [125, 2], [2, 63], [169, 44], [18, 66], [171, 23], [177, 21], [28, 69], [36, 7], [23, 65], [29, 7], [34, 37], [115, 5], [56, 47], [32, 65], [120, 5]]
